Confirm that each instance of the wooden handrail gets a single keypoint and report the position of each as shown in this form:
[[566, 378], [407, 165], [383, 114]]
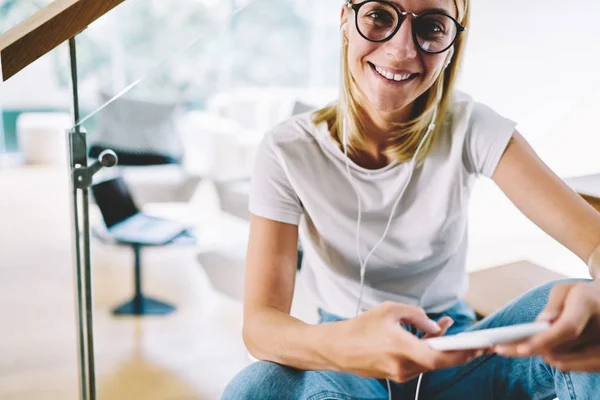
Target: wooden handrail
[[45, 30]]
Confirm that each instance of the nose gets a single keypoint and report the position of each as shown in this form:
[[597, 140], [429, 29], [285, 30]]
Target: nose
[[402, 46]]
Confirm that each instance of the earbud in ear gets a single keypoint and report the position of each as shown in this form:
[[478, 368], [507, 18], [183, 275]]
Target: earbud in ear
[[449, 58]]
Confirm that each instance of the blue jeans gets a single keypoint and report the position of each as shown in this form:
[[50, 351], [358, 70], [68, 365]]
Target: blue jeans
[[487, 377]]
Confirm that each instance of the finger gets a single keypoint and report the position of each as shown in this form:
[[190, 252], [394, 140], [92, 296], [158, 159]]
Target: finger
[[447, 359], [554, 308], [571, 321], [418, 351], [412, 315], [576, 312], [555, 303], [589, 337], [510, 349], [549, 313], [584, 360], [433, 359], [444, 323], [515, 349]]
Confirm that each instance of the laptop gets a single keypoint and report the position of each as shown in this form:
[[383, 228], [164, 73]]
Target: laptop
[[125, 222]]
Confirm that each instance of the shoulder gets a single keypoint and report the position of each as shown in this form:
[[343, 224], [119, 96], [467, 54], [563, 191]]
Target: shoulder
[[299, 128], [293, 135], [482, 132], [466, 112]]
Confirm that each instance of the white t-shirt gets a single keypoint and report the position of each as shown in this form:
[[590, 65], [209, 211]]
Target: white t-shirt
[[300, 178]]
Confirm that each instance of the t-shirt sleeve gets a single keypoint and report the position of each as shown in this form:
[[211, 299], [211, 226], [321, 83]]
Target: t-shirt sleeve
[[487, 136], [272, 195]]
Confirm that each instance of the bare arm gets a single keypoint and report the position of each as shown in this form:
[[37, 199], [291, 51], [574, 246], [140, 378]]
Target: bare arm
[[547, 201], [269, 332], [372, 344]]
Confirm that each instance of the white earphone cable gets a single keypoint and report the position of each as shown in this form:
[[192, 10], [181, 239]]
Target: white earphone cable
[[418, 386], [363, 264]]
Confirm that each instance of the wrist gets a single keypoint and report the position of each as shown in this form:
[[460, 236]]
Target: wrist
[[330, 345], [594, 263], [594, 272]]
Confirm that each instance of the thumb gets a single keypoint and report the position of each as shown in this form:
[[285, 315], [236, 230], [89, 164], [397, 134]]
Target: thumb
[[555, 304], [416, 317]]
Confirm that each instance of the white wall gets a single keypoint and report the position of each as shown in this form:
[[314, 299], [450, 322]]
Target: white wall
[[537, 62]]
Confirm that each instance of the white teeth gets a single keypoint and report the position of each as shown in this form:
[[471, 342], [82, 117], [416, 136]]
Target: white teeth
[[391, 76]]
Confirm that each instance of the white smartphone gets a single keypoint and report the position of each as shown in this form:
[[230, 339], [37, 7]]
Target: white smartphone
[[486, 337]]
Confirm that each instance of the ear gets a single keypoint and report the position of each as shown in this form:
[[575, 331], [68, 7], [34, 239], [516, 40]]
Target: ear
[[344, 32], [344, 22]]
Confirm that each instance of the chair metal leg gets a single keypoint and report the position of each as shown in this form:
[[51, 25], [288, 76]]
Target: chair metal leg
[[140, 304]]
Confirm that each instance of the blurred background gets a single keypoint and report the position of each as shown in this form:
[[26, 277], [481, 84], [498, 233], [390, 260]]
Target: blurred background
[[205, 80]]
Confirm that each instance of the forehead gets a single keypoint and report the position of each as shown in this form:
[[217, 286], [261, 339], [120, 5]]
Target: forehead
[[419, 6]]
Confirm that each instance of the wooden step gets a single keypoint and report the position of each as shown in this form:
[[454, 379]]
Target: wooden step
[[492, 288]]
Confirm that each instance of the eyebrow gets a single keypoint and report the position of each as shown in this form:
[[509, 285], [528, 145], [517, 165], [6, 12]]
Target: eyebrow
[[440, 10]]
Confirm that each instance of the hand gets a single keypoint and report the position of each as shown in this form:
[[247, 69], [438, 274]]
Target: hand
[[573, 341], [374, 344]]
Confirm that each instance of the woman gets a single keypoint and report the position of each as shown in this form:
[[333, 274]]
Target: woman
[[376, 186]]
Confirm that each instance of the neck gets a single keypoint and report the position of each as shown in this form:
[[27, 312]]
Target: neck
[[377, 131], [379, 124]]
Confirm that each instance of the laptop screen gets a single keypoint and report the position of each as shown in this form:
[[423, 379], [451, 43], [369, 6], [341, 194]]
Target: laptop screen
[[114, 201]]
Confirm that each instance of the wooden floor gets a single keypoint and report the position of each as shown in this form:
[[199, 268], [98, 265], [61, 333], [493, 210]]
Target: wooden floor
[[190, 354]]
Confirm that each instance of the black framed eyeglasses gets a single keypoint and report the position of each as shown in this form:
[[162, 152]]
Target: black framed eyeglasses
[[378, 21]]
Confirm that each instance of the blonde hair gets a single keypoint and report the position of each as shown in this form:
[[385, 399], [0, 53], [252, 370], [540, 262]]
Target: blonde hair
[[405, 138]]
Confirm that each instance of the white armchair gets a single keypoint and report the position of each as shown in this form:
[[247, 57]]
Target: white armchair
[[147, 137]]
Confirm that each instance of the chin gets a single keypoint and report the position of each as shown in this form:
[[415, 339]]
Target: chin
[[389, 105]]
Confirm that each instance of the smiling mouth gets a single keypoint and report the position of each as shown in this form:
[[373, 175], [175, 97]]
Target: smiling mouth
[[404, 77]]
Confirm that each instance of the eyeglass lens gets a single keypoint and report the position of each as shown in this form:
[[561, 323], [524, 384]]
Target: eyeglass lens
[[433, 32]]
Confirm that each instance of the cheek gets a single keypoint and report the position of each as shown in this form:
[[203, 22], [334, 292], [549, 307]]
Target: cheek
[[433, 65], [359, 48], [355, 54]]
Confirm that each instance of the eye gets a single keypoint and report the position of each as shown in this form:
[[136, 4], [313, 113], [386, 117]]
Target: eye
[[431, 29], [381, 17]]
